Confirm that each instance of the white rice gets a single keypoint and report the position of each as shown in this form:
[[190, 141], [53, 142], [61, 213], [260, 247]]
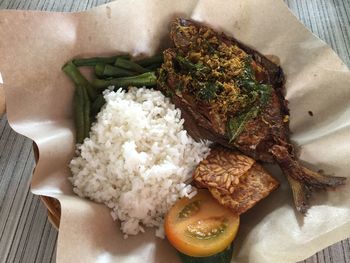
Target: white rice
[[138, 159]]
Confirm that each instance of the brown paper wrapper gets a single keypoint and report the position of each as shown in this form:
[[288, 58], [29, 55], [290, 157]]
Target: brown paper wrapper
[[35, 45], [2, 102]]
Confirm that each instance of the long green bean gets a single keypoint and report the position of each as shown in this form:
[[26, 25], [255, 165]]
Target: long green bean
[[73, 72], [86, 113], [129, 65], [146, 62], [105, 71], [79, 62], [153, 67], [97, 105], [117, 71], [78, 104], [145, 79]]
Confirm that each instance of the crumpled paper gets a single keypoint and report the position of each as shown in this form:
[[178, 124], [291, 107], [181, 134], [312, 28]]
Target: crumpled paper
[[35, 45]]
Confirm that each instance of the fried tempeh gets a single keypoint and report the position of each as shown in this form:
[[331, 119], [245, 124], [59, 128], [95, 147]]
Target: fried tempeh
[[235, 180]]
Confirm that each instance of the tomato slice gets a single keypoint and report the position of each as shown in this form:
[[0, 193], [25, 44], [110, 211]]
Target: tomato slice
[[200, 227]]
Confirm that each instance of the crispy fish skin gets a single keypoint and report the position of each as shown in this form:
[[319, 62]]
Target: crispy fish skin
[[204, 74], [234, 179]]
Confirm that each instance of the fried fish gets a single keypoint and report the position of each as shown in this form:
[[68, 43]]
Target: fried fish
[[233, 95]]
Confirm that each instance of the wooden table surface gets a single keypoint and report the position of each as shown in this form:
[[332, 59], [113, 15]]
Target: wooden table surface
[[25, 233]]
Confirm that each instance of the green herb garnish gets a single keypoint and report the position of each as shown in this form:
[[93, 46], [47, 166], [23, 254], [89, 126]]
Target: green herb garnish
[[236, 124], [208, 92], [194, 68], [257, 96]]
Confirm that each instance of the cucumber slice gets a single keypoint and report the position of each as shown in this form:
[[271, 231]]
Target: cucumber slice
[[221, 257]]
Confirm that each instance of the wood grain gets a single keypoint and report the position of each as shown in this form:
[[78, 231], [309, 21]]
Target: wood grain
[[26, 235]]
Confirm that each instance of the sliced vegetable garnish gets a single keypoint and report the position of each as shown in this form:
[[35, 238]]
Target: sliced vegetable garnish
[[190, 209], [200, 227]]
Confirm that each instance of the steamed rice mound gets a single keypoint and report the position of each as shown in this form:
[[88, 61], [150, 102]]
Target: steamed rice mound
[[138, 159]]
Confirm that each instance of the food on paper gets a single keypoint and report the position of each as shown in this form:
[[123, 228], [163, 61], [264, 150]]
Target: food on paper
[[138, 159], [117, 71], [235, 180], [201, 229], [233, 95]]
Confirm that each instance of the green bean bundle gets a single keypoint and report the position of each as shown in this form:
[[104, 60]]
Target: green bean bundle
[[81, 107], [118, 71]]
